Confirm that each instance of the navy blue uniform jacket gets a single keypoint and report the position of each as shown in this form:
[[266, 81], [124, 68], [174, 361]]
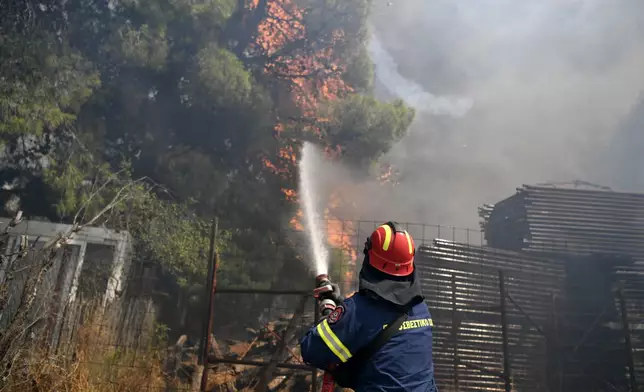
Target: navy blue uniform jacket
[[404, 363]]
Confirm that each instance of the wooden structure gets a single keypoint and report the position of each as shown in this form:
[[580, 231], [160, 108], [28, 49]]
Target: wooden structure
[[94, 262]]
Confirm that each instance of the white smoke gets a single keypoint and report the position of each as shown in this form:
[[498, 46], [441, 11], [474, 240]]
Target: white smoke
[[411, 92], [552, 82]]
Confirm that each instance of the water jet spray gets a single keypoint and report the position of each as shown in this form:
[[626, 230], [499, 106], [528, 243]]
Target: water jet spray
[[309, 202], [320, 264]]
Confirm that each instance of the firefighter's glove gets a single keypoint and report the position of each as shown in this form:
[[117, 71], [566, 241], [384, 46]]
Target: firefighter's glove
[[333, 295], [330, 299]]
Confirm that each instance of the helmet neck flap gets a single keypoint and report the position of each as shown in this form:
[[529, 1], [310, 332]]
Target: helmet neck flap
[[388, 267]]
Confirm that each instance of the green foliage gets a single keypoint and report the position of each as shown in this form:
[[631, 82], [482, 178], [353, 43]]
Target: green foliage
[[159, 339], [168, 234], [221, 79], [212, 13], [359, 72], [192, 176], [74, 191], [177, 90], [43, 84], [366, 128], [165, 231], [141, 47], [328, 19]]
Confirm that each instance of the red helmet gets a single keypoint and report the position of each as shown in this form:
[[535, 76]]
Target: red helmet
[[391, 250]]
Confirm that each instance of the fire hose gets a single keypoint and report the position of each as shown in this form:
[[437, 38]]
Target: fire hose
[[324, 293]]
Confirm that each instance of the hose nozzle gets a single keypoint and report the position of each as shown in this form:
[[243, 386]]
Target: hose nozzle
[[322, 285]]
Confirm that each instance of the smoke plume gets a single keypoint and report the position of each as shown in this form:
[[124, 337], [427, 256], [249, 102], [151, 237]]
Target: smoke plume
[[415, 96], [509, 92]]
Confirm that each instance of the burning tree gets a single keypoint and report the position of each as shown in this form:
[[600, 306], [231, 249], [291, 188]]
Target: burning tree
[[209, 99], [315, 53]]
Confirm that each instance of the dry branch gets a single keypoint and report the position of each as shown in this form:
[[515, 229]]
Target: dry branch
[[18, 326]]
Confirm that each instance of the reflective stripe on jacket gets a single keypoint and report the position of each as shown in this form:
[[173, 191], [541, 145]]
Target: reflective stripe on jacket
[[404, 363]]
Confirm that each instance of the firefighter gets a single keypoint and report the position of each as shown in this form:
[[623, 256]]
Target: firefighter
[[388, 290]]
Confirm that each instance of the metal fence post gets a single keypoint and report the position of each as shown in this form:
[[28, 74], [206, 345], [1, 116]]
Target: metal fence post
[[504, 329], [553, 363], [455, 335], [627, 341], [211, 284]]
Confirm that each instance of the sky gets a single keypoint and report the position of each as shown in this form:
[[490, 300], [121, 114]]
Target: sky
[[507, 93]]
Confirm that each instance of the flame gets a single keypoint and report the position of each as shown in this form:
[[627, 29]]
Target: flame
[[333, 152], [288, 154], [281, 25], [342, 234], [284, 162], [279, 128], [296, 221], [314, 74], [290, 194], [387, 174]]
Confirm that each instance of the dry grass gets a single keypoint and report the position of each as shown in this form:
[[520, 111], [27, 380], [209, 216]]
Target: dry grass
[[96, 366]]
